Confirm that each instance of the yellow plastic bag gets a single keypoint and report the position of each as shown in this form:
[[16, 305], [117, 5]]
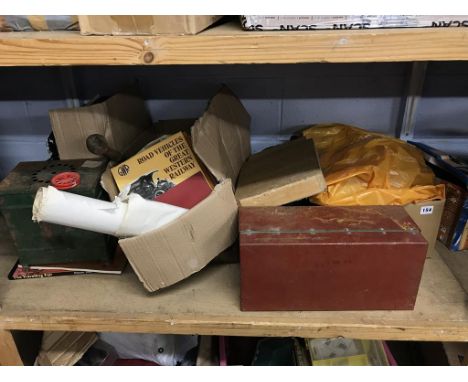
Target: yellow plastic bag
[[365, 168]]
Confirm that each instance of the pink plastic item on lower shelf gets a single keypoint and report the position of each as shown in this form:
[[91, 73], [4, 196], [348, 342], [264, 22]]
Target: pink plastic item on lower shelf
[[388, 353], [222, 351]]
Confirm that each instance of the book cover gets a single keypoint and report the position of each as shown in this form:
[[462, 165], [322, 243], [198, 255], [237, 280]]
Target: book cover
[[455, 196], [116, 267], [18, 272], [167, 171], [188, 193]]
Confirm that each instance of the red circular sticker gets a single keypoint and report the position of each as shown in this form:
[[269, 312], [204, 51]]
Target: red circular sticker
[[66, 180]]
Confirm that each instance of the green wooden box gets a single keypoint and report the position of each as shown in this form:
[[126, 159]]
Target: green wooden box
[[45, 243]]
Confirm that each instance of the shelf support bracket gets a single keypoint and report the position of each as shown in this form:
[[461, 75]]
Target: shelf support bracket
[[405, 130], [9, 355]]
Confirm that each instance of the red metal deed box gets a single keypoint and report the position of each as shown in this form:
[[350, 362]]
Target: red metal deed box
[[329, 258]]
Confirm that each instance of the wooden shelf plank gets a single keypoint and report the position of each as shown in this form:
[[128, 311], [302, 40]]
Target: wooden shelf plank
[[228, 44], [208, 303], [457, 263]]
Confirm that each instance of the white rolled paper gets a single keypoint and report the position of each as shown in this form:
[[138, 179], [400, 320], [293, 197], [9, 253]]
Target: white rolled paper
[[122, 218], [145, 215]]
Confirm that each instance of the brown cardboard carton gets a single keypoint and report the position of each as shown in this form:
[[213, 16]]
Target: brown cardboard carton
[[144, 25], [427, 216], [167, 255], [162, 257], [280, 175], [121, 119], [221, 137]]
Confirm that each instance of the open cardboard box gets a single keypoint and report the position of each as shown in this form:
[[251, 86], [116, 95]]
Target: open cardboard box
[[121, 119], [427, 216], [162, 257]]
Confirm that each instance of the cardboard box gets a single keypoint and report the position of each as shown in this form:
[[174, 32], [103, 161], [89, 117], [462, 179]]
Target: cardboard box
[[329, 258], [280, 175], [345, 22], [144, 25], [121, 119], [221, 139], [427, 216]]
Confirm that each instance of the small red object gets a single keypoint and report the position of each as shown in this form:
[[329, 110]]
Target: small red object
[[66, 180]]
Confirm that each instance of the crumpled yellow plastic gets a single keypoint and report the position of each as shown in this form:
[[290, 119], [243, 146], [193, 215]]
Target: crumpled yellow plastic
[[366, 168]]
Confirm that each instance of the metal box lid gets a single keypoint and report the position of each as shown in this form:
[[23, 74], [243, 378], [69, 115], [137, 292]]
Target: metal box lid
[[28, 177], [327, 225]]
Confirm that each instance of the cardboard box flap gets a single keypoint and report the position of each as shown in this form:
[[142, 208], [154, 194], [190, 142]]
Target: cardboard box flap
[[167, 255], [145, 24], [71, 143], [221, 137], [128, 117], [120, 119]]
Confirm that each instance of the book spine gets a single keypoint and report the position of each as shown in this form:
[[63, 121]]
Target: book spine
[[457, 243], [451, 213], [464, 238]]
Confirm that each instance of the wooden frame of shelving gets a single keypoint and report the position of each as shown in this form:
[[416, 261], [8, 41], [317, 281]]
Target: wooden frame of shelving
[[228, 44], [208, 303]]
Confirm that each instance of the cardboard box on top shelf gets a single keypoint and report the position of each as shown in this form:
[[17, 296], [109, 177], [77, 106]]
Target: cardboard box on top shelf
[[346, 22], [121, 119], [144, 25], [221, 139]]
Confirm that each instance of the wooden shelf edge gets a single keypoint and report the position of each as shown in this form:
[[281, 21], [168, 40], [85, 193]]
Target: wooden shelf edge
[[208, 303], [442, 331], [228, 44]]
